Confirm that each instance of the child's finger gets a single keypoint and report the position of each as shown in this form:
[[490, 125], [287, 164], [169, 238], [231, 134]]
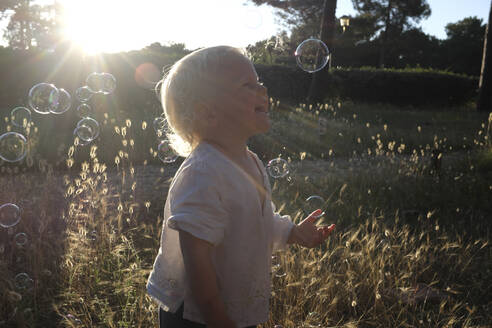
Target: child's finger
[[314, 216]]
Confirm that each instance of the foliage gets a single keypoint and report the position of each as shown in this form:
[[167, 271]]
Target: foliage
[[401, 222], [400, 87], [30, 24]]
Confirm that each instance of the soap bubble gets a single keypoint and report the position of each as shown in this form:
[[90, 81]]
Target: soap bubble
[[22, 281], [312, 55], [43, 98], [313, 203], [84, 110], [20, 117], [91, 131], [102, 83], [64, 102], [20, 239], [9, 215], [160, 127], [278, 168], [83, 94], [80, 142], [166, 153], [13, 147]]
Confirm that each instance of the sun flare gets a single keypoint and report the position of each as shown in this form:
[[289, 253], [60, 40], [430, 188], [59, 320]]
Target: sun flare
[[100, 26]]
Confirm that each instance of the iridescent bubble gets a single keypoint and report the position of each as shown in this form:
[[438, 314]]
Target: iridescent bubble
[[21, 239], [312, 55], [278, 168], [83, 94], [84, 110], [64, 102], [13, 147], [166, 153], [22, 281], [20, 117], [92, 127], [313, 203], [43, 98], [9, 215], [80, 142], [159, 123], [102, 83]]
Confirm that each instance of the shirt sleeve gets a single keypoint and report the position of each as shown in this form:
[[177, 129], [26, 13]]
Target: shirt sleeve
[[196, 206], [282, 225]]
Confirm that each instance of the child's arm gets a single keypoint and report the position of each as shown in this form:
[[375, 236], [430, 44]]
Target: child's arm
[[203, 280]]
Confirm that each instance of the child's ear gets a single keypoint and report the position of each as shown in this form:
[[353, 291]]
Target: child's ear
[[206, 113]]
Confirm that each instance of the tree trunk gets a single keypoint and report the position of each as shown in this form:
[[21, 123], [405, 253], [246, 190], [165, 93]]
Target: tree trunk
[[328, 24], [384, 38], [484, 102]]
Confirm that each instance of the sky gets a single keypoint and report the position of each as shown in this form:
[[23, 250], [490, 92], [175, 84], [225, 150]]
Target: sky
[[199, 23]]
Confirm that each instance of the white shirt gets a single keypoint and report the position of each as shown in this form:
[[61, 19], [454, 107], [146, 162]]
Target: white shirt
[[211, 198]]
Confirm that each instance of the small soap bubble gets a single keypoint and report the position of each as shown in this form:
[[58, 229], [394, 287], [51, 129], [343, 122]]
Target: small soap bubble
[[84, 110], [91, 130], [20, 117], [20, 239], [13, 147], [160, 123], [278, 168], [166, 153], [22, 281], [312, 55], [102, 83], [64, 102], [313, 203], [83, 94], [10, 215], [43, 98]]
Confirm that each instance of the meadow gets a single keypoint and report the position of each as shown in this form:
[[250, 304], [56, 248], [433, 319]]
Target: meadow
[[409, 189]]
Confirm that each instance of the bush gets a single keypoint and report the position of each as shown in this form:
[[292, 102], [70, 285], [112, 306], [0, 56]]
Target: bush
[[415, 87]]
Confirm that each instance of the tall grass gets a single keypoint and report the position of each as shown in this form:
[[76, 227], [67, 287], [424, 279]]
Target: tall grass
[[409, 191]]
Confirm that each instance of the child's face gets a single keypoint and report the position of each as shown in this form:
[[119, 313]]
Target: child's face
[[242, 101]]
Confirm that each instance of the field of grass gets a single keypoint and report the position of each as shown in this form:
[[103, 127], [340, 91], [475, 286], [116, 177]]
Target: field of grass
[[410, 192]]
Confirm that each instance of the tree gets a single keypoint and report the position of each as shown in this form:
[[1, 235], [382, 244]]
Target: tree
[[29, 24], [463, 46], [484, 102], [393, 17]]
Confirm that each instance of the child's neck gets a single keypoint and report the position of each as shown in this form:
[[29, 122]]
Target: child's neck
[[236, 151]]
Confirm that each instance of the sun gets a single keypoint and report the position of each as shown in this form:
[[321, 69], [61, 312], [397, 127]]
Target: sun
[[99, 26]]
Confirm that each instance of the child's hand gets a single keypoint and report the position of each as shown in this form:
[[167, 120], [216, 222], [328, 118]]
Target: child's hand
[[308, 234]]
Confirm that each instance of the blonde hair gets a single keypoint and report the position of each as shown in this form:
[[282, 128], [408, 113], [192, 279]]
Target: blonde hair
[[186, 83]]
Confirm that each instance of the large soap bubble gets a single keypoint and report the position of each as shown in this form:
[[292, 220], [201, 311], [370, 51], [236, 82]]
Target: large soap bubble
[[13, 147], [102, 83], [9, 215], [43, 98], [312, 55], [166, 153], [64, 102], [20, 117], [278, 168], [22, 281], [89, 129]]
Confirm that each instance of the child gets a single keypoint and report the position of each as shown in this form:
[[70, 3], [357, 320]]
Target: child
[[220, 228]]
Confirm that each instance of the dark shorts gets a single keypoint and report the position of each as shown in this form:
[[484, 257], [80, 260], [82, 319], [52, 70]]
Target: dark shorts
[[175, 320]]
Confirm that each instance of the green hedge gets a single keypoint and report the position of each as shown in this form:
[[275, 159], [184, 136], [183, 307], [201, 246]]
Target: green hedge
[[414, 87]]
